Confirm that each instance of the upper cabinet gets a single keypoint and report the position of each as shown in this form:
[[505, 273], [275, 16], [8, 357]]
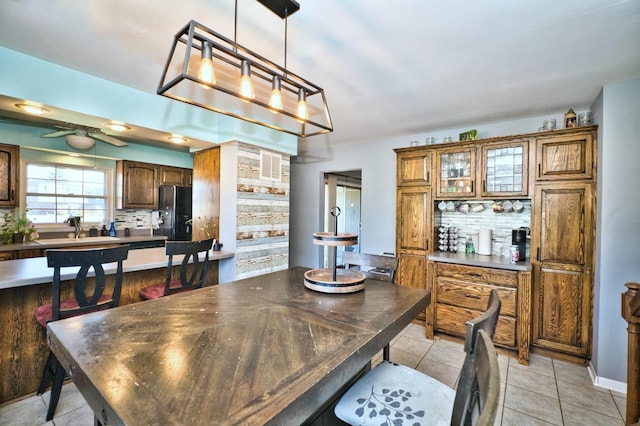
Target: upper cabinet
[[456, 172], [414, 168], [137, 185], [9, 175], [504, 168], [566, 156], [178, 176]]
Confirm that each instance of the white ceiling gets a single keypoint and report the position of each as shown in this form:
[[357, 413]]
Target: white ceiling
[[388, 67]]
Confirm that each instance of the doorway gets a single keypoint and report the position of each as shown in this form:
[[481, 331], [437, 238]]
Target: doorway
[[342, 190]]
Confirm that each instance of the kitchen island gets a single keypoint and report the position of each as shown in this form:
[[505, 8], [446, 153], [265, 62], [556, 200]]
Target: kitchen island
[[26, 284]]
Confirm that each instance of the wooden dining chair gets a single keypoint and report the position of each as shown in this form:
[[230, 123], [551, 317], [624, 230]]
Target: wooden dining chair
[[375, 266], [90, 294], [392, 392], [192, 271]]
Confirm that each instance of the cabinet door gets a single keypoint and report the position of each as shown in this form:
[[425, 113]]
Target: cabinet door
[[456, 172], [562, 238], [412, 272], [171, 175], [504, 169], [9, 160], [137, 185], [565, 157], [414, 168], [413, 220]]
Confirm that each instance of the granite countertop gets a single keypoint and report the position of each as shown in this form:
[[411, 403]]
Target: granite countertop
[[498, 262], [24, 272], [45, 243]]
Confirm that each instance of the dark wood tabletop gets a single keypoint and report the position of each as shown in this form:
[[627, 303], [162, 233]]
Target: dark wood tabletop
[[255, 351]]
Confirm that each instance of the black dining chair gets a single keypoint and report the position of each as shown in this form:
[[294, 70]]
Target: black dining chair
[[90, 294], [192, 271], [391, 391]]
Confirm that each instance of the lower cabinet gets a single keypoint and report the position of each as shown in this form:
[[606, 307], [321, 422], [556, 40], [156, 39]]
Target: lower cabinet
[[461, 293]]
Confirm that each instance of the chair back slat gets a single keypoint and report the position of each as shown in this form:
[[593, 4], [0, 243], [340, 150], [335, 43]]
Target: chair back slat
[[383, 267], [193, 270], [486, 322], [485, 394], [89, 295]]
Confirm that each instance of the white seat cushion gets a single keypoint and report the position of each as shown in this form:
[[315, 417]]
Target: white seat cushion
[[396, 395]]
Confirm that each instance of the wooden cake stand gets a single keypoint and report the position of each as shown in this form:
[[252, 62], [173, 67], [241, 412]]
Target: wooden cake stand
[[336, 280]]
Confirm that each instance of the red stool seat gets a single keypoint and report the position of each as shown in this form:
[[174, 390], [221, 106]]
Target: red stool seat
[[44, 313]]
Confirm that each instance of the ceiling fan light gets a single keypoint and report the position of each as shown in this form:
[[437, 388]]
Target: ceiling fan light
[[80, 141]]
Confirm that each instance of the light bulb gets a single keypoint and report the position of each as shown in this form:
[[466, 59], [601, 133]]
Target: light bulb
[[303, 112], [206, 71], [275, 102], [246, 86]]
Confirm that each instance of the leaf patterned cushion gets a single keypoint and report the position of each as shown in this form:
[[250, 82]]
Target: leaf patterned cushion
[[393, 394]]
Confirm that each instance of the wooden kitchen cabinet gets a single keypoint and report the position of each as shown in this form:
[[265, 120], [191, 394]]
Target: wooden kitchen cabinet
[[9, 175], [414, 168], [136, 185], [178, 176], [414, 234], [563, 234], [567, 156], [206, 189], [456, 172], [504, 169], [461, 293]]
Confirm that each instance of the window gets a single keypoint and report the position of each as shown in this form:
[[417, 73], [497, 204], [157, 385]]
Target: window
[[55, 192]]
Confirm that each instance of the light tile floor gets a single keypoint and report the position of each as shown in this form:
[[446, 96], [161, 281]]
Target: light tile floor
[[546, 392]]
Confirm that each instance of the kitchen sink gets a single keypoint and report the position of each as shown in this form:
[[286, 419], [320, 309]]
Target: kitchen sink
[[75, 241]]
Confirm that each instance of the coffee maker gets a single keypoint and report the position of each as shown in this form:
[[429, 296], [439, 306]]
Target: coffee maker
[[519, 238]]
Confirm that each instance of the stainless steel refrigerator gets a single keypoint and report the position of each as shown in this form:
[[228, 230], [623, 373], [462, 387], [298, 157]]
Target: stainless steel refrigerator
[[174, 203]]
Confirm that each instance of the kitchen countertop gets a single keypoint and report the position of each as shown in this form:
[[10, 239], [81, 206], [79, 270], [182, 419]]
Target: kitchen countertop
[[77, 242], [498, 262], [24, 272]]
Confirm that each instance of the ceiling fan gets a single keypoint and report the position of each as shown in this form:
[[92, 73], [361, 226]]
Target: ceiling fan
[[83, 137]]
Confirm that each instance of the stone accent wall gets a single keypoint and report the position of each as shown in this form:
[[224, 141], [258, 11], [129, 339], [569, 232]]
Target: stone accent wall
[[262, 227]]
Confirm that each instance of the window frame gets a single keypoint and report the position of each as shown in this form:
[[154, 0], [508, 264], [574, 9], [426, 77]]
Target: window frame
[[53, 227]]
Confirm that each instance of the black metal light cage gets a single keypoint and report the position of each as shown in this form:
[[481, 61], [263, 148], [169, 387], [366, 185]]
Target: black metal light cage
[[180, 81]]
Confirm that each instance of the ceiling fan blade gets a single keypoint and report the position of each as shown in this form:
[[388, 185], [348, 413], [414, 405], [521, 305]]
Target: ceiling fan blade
[[57, 134], [108, 139]]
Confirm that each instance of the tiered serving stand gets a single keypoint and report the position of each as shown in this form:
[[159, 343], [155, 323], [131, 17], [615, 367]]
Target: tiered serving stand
[[336, 280]]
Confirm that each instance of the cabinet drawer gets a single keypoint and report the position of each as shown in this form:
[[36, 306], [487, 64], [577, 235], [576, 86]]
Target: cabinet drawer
[[478, 274], [451, 319], [452, 292]]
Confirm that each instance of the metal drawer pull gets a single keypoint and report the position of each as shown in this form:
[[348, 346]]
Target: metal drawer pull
[[472, 296]]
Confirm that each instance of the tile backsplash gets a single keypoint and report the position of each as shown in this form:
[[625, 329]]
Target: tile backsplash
[[469, 223]]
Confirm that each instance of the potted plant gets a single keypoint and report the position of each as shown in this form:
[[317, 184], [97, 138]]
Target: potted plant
[[17, 229]]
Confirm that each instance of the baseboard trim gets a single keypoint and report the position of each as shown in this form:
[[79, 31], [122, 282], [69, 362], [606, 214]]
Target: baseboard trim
[[604, 383]]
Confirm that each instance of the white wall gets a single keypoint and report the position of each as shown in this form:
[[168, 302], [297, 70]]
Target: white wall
[[618, 224]]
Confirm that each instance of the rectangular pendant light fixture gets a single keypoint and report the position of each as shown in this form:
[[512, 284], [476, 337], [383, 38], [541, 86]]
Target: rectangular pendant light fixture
[[211, 71]]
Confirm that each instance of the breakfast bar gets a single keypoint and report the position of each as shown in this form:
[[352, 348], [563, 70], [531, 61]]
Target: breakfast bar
[[263, 350], [26, 284]]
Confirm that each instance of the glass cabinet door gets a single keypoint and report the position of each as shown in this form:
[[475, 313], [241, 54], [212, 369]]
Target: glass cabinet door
[[504, 169], [457, 173]]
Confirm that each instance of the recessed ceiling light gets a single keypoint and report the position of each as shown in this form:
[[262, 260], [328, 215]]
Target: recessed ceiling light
[[177, 138], [118, 126], [32, 109]]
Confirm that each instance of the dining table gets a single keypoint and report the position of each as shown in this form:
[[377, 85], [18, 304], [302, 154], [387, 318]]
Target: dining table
[[261, 350]]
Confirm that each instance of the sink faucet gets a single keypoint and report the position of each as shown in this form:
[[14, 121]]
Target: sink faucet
[[76, 223]]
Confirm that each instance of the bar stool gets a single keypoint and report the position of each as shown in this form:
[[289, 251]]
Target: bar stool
[[193, 271], [103, 294]]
